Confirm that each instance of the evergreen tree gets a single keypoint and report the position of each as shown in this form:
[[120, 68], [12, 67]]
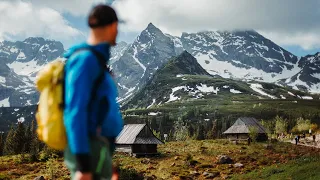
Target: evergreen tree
[[200, 132], [9, 143], [1, 143], [20, 138], [181, 130], [16, 140], [28, 139], [213, 133]]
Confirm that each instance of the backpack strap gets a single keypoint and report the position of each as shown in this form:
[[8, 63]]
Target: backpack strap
[[97, 82]]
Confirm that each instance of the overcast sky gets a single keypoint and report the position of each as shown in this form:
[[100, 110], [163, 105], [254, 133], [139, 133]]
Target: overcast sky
[[293, 24]]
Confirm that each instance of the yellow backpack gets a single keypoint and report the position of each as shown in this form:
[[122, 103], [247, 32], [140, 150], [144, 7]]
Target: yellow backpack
[[49, 116]]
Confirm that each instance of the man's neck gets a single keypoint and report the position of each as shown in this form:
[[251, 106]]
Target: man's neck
[[95, 39]]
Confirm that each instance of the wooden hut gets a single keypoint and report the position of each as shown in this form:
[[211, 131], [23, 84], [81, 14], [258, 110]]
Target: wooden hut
[[241, 128], [137, 140]]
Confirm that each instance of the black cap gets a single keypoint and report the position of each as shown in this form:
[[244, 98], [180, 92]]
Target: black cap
[[102, 15]]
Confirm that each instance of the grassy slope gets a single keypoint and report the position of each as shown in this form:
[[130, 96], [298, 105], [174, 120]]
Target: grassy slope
[[304, 168], [12, 167], [173, 163], [229, 104]]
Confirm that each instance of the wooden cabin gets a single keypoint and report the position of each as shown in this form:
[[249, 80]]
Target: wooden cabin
[[137, 140], [241, 128]]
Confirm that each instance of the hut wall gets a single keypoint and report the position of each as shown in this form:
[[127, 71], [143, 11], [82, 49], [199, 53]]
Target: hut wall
[[231, 136], [144, 148], [237, 136], [261, 137], [124, 148]]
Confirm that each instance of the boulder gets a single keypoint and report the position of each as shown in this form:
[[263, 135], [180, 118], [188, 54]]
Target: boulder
[[195, 173], [210, 175], [238, 165], [145, 161], [39, 178], [223, 159]]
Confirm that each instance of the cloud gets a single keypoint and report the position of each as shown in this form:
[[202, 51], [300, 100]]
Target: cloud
[[23, 19], [74, 7], [287, 22]]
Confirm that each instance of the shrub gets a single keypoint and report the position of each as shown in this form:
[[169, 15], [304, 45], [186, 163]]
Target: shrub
[[253, 133]]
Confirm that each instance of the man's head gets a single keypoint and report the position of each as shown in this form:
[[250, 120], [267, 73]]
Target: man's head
[[103, 22]]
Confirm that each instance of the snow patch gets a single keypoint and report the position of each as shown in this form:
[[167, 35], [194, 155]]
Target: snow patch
[[2, 80], [25, 68], [316, 75], [172, 97], [136, 59], [290, 93], [21, 56], [153, 102], [235, 91], [21, 120], [283, 97], [14, 50], [260, 46], [28, 103], [228, 70], [258, 88], [153, 113], [307, 97], [5, 103], [207, 89], [123, 86]]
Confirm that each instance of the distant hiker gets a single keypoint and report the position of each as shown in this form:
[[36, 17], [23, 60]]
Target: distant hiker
[[314, 138], [249, 141], [92, 115], [296, 139]]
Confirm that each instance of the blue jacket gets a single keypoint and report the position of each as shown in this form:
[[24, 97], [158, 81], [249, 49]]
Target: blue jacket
[[81, 71]]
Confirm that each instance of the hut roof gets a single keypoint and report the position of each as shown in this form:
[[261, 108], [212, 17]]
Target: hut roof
[[130, 135], [242, 125]]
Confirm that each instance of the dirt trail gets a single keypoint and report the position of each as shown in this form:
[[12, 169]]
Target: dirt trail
[[308, 141]]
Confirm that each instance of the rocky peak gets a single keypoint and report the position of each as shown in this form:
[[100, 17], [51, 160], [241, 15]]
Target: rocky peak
[[185, 63]]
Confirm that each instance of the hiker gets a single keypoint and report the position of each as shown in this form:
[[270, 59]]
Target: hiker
[[314, 138], [92, 115], [296, 139]]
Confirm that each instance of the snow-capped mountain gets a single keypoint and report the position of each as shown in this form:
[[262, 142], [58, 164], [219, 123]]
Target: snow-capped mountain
[[308, 78], [151, 50], [19, 63], [117, 51], [28, 57], [244, 55], [183, 80], [241, 55]]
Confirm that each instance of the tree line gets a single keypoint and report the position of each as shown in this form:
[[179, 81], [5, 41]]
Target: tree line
[[22, 139]]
